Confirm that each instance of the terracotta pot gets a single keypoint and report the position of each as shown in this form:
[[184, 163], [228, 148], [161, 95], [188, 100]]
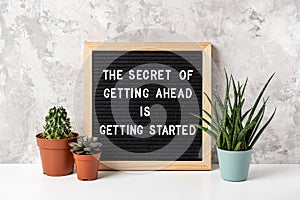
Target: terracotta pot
[[57, 160], [87, 166]]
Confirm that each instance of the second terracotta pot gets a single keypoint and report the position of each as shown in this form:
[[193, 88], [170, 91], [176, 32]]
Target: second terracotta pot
[[87, 166]]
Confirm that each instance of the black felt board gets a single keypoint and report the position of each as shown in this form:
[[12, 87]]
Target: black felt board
[[130, 148]]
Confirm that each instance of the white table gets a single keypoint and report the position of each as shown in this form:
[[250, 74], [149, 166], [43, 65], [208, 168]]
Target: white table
[[25, 181]]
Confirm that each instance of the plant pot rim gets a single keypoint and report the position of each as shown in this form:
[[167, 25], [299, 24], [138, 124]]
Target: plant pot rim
[[39, 137], [86, 157], [55, 144], [234, 152], [86, 154]]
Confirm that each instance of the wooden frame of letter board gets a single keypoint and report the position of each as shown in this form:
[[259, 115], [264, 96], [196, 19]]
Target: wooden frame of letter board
[[204, 47]]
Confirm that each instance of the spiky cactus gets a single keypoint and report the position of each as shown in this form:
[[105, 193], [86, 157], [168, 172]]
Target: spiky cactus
[[57, 124], [86, 145]]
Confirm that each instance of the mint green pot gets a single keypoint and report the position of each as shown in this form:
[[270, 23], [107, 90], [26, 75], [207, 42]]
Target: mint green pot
[[234, 165]]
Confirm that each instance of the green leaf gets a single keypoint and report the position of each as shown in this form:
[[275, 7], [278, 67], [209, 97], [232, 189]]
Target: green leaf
[[220, 104], [216, 114], [206, 121], [208, 98], [214, 121], [227, 97], [256, 119], [258, 99], [80, 152], [246, 113], [212, 134], [87, 149], [72, 144], [250, 137], [236, 126], [219, 141], [262, 129], [238, 146], [245, 130], [244, 86], [227, 140]]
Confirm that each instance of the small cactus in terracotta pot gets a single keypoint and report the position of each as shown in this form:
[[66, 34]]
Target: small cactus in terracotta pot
[[53, 143], [86, 152]]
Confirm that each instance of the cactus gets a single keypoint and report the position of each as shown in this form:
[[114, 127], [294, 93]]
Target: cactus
[[86, 145], [57, 124]]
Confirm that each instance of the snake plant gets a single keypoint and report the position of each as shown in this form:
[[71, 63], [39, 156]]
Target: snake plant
[[230, 126]]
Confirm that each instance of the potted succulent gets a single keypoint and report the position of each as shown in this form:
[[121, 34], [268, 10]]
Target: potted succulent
[[53, 142], [234, 130], [86, 152]]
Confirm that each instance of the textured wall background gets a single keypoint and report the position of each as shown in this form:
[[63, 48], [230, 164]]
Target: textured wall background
[[41, 47]]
